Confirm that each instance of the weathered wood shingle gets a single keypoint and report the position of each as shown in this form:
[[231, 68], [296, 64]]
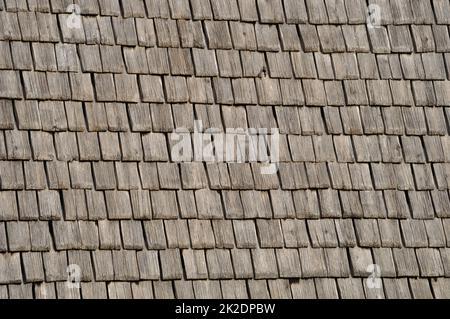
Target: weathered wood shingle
[[88, 175]]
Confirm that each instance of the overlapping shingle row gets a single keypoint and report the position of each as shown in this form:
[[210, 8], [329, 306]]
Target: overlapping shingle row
[[88, 176]]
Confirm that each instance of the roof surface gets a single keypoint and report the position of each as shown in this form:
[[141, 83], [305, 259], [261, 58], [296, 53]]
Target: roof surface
[[91, 191]]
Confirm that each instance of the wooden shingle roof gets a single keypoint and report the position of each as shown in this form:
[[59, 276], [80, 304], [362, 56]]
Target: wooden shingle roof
[[88, 176]]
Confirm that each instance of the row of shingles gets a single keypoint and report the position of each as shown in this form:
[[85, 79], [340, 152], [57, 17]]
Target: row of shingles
[[265, 11], [322, 288], [108, 176], [83, 174], [228, 289], [241, 178], [56, 116], [182, 64], [131, 8], [396, 12], [271, 11], [362, 65], [18, 147], [403, 262], [317, 12], [230, 91], [313, 263], [93, 290], [279, 288], [352, 11], [51, 117], [308, 127], [307, 263], [416, 197], [352, 120], [87, 290], [378, 118], [220, 39], [358, 176], [84, 235], [337, 66], [368, 202], [179, 289], [78, 231], [347, 288], [105, 30], [290, 271], [245, 91], [342, 177], [134, 8], [221, 35], [44, 27], [327, 37], [350, 288], [219, 234], [356, 288], [51, 266], [263, 91], [82, 177], [111, 121], [82, 199], [68, 236], [241, 37], [219, 264]]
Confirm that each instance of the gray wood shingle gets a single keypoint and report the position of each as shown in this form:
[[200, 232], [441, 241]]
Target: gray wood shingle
[[218, 35], [406, 262], [171, 264], [132, 234], [11, 265], [118, 204], [164, 204], [148, 264], [154, 234], [265, 263], [289, 263], [125, 265]]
